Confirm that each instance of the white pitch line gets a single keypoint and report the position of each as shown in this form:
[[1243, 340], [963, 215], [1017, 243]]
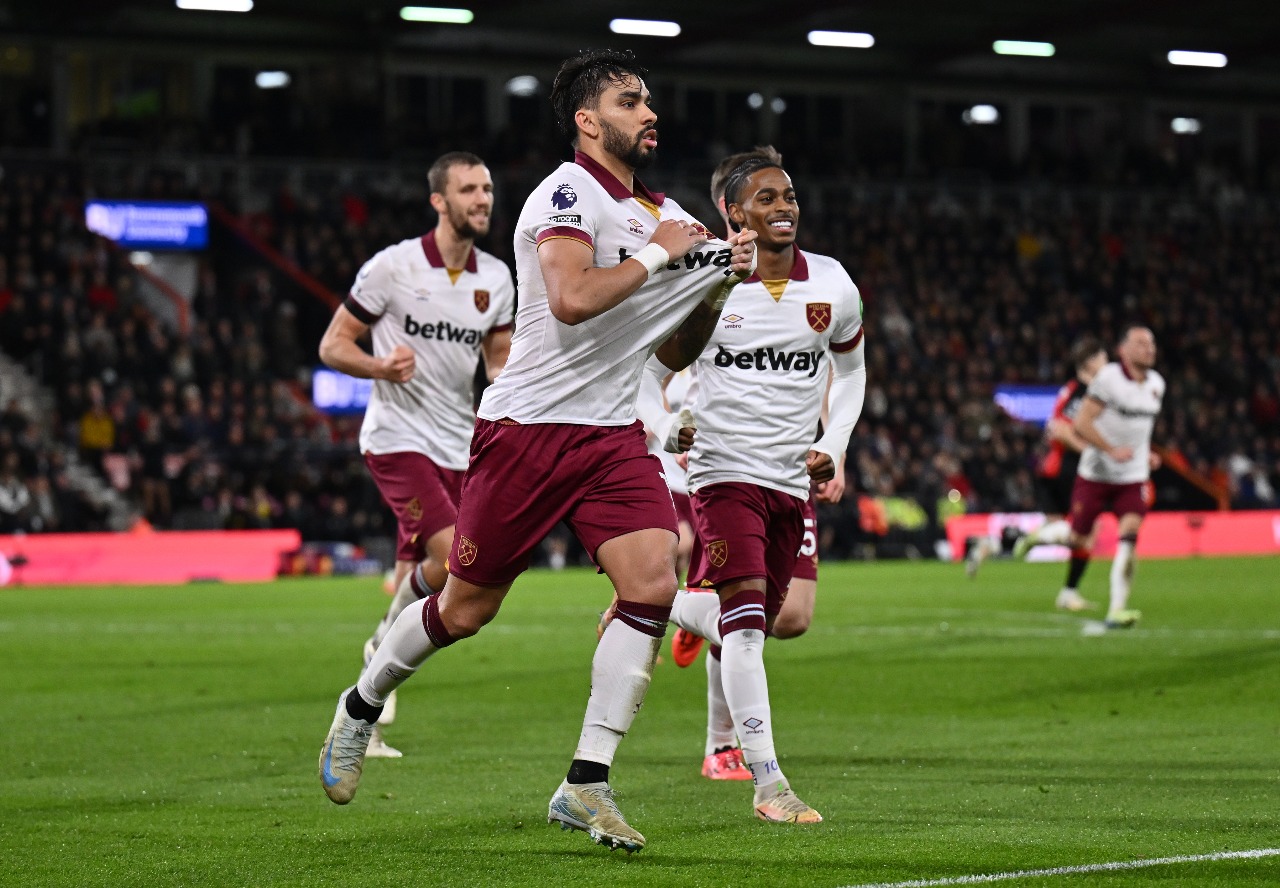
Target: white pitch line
[[1072, 870]]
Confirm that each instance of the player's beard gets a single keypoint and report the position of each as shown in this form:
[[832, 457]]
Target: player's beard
[[463, 226], [626, 149]]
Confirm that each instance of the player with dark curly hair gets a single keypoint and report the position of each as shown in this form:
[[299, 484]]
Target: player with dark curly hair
[[611, 273]]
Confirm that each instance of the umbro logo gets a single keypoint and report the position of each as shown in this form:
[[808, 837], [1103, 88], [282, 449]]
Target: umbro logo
[[636, 227], [733, 321]]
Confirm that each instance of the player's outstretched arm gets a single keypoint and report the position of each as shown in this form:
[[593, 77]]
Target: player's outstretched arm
[[340, 349], [578, 291], [683, 346]]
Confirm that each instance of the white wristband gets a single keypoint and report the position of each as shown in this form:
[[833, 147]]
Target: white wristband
[[653, 258]]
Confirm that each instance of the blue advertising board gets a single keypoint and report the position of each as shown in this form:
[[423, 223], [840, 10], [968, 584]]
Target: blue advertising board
[[334, 392], [149, 224], [1029, 403]]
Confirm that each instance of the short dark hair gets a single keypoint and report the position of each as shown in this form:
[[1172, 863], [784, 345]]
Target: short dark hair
[[1130, 327], [582, 78], [733, 161], [1084, 349], [438, 175], [741, 174]]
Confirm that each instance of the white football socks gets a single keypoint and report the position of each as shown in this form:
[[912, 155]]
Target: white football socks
[[719, 719], [1121, 575], [620, 674], [405, 596], [1054, 533], [747, 691], [404, 648], [697, 612]]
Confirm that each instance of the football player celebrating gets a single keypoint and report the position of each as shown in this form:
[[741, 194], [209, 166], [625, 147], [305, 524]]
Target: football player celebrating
[[433, 304], [750, 469], [611, 273]]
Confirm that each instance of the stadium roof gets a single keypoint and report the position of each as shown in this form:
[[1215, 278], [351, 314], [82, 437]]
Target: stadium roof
[[1110, 46]]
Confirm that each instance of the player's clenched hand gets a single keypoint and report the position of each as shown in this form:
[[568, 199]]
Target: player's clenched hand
[[742, 258], [685, 441], [397, 366], [819, 466], [678, 237], [832, 491], [1123, 453]]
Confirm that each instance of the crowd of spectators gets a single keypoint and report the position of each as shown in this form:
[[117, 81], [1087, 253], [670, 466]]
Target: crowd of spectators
[[206, 430], [963, 290]]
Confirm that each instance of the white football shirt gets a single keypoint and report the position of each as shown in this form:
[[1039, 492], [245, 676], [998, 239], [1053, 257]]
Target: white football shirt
[[761, 379], [408, 297], [589, 374], [1129, 410]]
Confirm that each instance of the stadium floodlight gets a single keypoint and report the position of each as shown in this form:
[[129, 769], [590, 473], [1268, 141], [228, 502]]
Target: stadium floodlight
[[981, 114], [1197, 59], [844, 39], [755, 101], [777, 104], [271, 79], [215, 5], [522, 86], [1023, 48], [644, 28], [440, 15], [1185, 126]]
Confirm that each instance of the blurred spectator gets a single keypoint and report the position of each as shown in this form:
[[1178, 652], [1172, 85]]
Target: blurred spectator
[[97, 428], [15, 499]]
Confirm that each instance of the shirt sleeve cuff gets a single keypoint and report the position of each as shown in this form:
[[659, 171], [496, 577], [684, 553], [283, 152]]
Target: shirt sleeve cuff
[[361, 313]]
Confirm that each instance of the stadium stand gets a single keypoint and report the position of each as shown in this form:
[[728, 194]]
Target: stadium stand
[[966, 286]]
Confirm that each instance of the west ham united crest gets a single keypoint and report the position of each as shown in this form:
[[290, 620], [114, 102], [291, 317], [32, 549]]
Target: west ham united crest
[[414, 508], [718, 552], [818, 314], [467, 551], [482, 301]]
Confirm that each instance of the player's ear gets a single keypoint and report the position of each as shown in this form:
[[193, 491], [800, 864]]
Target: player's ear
[[437, 203], [585, 118], [737, 218]]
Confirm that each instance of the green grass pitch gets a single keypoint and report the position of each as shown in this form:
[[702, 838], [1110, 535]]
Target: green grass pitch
[[169, 737]]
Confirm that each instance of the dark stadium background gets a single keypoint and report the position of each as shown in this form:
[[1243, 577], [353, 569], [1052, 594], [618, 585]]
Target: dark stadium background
[[982, 250]]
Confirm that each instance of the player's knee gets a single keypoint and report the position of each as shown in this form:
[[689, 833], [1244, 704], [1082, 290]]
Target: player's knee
[[790, 625], [658, 587], [1128, 527], [467, 617], [434, 573]]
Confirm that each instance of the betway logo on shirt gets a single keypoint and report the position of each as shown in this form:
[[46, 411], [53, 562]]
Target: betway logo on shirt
[[442, 330], [696, 259], [769, 359]]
